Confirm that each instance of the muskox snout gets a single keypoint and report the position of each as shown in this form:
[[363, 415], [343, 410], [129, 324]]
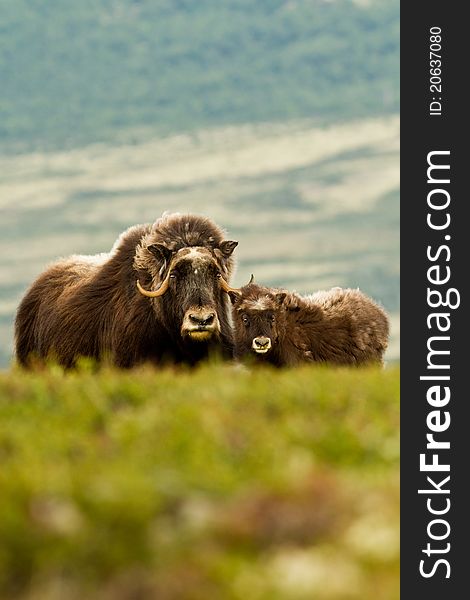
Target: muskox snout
[[261, 344], [206, 318], [200, 324]]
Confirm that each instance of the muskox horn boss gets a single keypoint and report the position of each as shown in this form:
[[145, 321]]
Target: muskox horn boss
[[164, 286]]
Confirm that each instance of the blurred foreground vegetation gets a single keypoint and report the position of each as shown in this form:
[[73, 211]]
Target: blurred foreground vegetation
[[214, 483]]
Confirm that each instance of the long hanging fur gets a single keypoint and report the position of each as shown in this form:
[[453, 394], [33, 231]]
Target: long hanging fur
[[89, 305]]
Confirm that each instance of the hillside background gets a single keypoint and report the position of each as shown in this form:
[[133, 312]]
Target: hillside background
[[276, 118]]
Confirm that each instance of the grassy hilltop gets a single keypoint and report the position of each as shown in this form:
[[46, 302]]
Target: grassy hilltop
[[214, 483]]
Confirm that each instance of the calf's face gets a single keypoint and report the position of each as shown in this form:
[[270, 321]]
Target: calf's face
[[258, 320]]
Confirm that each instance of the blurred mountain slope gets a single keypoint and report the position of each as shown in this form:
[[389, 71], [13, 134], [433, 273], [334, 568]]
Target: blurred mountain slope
[[72, 73], [311, 206]]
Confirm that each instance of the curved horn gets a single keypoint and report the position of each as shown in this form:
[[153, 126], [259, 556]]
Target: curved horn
[[161, 290], [225, 286], [252, 278]]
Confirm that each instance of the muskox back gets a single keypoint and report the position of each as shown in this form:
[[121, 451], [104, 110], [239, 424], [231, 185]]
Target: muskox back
[[90, 305], [340, 326]]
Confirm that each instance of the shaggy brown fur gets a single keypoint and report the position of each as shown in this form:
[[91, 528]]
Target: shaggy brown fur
[[340, 326], [90, 306]]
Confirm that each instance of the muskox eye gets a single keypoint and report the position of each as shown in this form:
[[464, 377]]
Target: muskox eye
[[245, 319], [272, 318], [172, 276], [219, 275]]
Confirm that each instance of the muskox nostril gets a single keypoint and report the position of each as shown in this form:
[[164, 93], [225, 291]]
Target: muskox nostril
[[205, 319], [209, 319], [261, 342]]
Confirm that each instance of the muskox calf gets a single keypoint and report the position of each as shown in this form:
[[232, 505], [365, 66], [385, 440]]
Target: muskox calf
[[340, 326], [160, 294]]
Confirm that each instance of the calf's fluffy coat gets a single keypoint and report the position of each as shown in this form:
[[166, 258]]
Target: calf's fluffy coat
[[339, 326]]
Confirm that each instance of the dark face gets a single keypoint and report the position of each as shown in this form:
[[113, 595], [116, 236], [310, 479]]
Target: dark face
[[191, 299], [257, 317], [260, 333], [194, 296]]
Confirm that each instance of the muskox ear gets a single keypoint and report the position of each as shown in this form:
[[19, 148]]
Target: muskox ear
[[280, 297], [227, 247], [234, 297], [160, 251]]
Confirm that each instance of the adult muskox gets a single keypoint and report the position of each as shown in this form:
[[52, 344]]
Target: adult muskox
[[340, 326], [160, 294]]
